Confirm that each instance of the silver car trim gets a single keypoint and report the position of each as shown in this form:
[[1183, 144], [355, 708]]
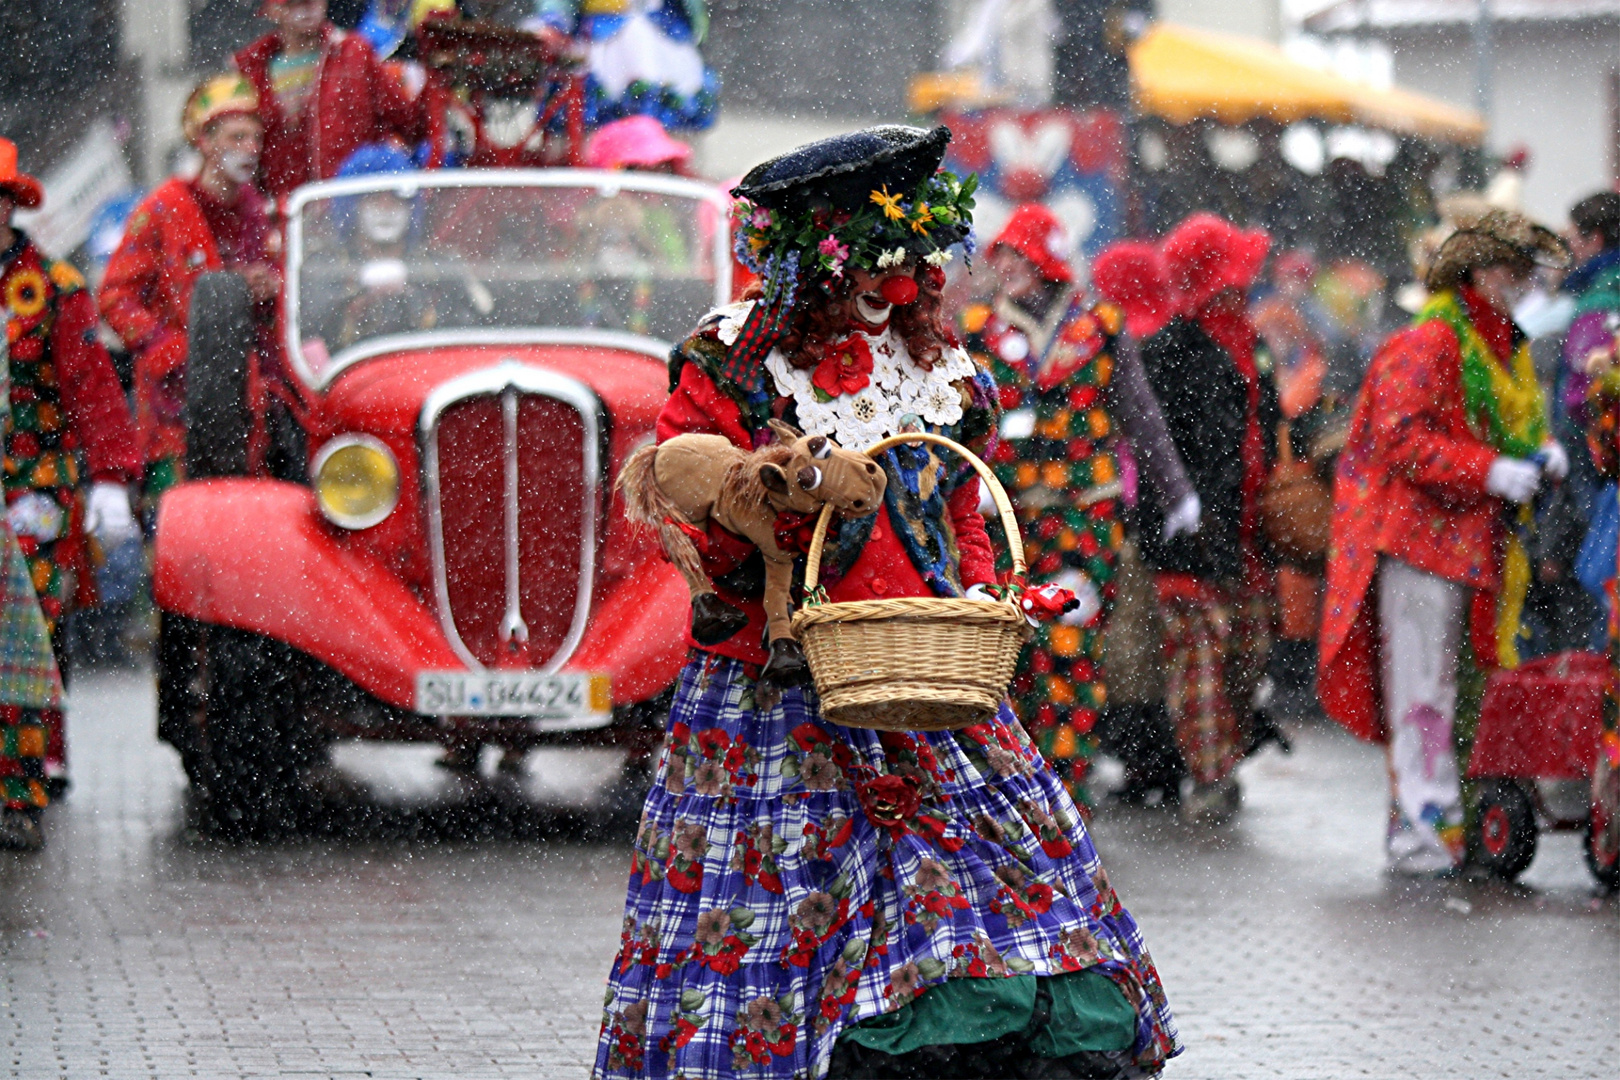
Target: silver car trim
[[407, 184], [513, 628], [512, 377]]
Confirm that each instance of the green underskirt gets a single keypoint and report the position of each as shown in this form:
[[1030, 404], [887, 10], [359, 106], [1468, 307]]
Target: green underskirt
[[1084, 1011]]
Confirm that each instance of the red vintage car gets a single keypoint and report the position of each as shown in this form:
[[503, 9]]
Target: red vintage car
[[443, 559]]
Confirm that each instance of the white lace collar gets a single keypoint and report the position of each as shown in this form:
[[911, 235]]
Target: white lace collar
[[898, 396]]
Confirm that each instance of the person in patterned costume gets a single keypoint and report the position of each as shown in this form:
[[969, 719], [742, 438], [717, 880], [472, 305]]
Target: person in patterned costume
[[1447, 446], [807, 899], [1066, 379], [65, 402], [30, 686]]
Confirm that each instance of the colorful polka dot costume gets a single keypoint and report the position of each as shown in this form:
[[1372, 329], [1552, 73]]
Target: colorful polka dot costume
[[1055, 460]]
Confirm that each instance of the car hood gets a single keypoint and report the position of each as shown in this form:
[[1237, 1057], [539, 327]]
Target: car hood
[[385, 395]]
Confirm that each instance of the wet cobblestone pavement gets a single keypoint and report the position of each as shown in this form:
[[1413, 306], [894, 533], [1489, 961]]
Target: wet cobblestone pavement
[[442, 929]]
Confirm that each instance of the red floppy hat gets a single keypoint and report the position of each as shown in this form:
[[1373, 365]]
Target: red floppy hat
[[1131, 274], [1032, 231], [23, 189], [1206, 254]]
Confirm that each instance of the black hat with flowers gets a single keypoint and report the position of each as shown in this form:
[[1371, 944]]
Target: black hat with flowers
[[869, 199]]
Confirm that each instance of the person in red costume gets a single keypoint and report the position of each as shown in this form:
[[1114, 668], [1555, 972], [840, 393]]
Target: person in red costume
[[66, 406], [907, 845], [323, 94], [1447, 446], [182, 230]]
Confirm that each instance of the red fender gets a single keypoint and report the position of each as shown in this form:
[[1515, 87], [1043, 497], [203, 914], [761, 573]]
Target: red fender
[[256, 555]]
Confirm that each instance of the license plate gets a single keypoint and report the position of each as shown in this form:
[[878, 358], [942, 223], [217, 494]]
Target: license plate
[[577, 696]]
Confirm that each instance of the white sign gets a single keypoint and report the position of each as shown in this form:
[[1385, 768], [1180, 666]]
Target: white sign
[[75, 189]]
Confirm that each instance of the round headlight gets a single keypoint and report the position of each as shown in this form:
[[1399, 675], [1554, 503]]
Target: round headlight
[[356, 481]]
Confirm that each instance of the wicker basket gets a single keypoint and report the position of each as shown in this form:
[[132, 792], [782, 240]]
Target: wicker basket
[[913, 663]]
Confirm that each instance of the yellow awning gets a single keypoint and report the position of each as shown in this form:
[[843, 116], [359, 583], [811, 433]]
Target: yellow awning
[[1181, 74]]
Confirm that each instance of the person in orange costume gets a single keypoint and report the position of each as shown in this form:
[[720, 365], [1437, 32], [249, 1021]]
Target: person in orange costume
[[182, 230], [1448, 438]]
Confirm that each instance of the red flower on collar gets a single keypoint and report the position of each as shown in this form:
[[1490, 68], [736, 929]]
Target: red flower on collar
[[846, 369]]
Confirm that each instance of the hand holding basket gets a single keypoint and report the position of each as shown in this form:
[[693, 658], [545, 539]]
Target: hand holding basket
[[914, 663]]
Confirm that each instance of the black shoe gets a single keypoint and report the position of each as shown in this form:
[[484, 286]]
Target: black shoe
[[20, 830], [1263, 729]]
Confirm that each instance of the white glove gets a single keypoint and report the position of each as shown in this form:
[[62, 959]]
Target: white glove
[[1185, 517], [1085, 590], [107, 516], [980, 592], [1513, 479], [1556, 464]]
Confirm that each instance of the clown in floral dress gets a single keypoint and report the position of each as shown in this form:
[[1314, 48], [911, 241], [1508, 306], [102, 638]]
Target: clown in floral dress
[[1054, 358], [807, 899], [65, 402]]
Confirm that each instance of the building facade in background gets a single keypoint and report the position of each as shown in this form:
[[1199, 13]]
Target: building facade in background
[[1554, 79]]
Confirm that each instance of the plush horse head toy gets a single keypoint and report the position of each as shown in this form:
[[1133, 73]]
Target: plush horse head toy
[[677, 487]]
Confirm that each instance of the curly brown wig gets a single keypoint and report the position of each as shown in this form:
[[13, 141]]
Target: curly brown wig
[[826, 308]]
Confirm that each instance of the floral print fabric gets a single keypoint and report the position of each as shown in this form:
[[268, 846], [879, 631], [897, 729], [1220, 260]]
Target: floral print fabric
[[791, 877], [871, 388]]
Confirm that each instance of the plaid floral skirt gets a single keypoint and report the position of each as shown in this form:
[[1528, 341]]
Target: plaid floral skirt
[[791, 877]]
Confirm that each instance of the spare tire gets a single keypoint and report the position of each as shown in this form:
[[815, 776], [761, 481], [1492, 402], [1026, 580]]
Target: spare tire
[[218, 419]]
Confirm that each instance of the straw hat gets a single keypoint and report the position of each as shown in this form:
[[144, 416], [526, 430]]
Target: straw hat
[[1489, 238]]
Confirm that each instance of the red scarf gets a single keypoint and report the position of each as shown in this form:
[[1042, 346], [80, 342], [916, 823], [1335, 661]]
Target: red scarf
[[1226, 320], [1493, 325]]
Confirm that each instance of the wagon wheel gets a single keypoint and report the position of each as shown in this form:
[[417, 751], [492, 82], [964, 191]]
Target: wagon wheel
[[1602, 842], [1504, 840]]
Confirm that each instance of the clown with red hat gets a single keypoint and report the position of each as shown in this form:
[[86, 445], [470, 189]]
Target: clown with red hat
[[1067, 379], [1186, 297], [63, 396]]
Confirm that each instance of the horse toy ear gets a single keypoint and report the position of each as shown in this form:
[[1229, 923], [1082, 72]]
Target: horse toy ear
[[774, 479], [785, 432]]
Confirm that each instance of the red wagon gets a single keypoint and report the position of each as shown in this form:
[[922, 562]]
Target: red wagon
[[1541, 735]]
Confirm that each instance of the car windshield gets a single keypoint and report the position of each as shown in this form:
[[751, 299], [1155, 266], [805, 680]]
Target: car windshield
[[387, 262]]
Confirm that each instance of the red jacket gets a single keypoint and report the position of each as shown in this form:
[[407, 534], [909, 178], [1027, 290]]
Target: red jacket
[[1410, 485], [356, 101], [146, 295], [882, 569]]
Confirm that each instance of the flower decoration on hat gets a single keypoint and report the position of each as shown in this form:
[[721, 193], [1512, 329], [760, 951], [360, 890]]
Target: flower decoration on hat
[[872, 199], [889, 230]]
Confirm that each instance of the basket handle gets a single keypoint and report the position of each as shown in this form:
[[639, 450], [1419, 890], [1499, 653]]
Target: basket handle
[[1004, 507]]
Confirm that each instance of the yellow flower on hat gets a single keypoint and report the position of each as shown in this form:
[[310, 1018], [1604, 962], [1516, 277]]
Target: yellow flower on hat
[[889, 203]]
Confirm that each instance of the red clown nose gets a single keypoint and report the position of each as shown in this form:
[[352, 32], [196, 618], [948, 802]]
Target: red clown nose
[[899, 290]]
